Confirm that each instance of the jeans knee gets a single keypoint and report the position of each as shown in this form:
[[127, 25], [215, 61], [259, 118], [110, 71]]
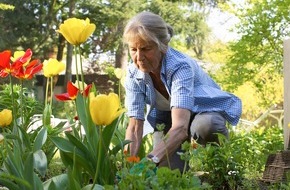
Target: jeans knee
[[205, 126]]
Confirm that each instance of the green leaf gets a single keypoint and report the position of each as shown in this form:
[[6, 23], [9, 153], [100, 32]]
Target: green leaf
[[73, 184], [8, 183], [46, 116], [25, 139], [96, 187], [81, 110], [56, 182], [119, 146], [37, 182], [62, 144], [29, 169], [40, 162], [18, 183], [13, 165], [68, 147], [12, 137], [67, 150], [78, 144], [66, 158], [40, 139], [75, 175], [108, 133]]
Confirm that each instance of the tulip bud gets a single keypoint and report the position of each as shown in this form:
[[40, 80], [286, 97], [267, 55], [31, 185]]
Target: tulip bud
[[5, 117], [46, 115]]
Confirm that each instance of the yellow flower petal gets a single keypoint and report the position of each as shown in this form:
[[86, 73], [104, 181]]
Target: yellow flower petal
[[52, 67], [104, 109], [76, 31], [119, 73], [5, 117], [17, 54]]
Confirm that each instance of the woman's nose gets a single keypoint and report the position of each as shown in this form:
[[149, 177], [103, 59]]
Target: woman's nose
[[140, 55]]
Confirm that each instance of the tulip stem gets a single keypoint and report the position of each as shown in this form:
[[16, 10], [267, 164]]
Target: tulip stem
[[12, 98], [21, 102], [46, 93], [82, 72], [51, 92], [99, 156], [77, 69]]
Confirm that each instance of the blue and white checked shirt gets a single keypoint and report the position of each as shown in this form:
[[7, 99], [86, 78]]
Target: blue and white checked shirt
[[188, 86]]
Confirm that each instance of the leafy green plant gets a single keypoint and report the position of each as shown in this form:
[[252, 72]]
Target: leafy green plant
[[24, 156], [91, 154], [239, 161], [145, 175], [221, 163], [19, 94]]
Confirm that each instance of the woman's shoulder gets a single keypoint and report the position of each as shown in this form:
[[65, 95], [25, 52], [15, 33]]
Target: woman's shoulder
[[174, 59], [176, 55]]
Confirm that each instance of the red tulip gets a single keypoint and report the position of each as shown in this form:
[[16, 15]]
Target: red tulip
[[5, 59], [20, 68], [29, 71], [5, 67], [72, 92]]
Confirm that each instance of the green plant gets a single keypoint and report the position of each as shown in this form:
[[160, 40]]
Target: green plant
[[221, 162], [19, 93], [23, 157], [145, 175]]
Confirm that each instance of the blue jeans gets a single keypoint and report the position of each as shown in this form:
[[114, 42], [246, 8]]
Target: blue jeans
[[203, 128]]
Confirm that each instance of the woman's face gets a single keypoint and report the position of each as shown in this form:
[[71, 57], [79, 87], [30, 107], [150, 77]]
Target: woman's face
[[146, 56]]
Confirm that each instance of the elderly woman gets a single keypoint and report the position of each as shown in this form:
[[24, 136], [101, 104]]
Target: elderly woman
[[179, 93]]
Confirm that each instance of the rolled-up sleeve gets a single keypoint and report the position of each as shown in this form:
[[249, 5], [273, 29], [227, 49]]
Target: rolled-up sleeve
[[182, 91]]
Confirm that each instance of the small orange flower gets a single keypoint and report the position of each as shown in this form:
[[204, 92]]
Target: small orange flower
[[133, 159]]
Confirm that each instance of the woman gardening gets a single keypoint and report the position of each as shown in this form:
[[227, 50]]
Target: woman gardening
[[180, 94]]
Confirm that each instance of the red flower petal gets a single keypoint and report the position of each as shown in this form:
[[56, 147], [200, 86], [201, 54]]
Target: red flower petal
[[63, 97], [23, 59], [72, 90], [5, 59], [87, 90]]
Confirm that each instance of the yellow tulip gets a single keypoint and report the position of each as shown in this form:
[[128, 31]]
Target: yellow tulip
[[17, 54], [120, 73], [52, 67], [5, 117], [104, 109], [76, 31]]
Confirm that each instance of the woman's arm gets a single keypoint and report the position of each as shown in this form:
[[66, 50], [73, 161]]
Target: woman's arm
[[176, 135], [134, 133]]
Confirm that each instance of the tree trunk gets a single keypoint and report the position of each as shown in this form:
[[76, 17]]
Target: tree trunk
[[121, 57], [68, 71]]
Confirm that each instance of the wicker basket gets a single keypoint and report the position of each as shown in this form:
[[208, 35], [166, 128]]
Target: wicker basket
[[277, 167]]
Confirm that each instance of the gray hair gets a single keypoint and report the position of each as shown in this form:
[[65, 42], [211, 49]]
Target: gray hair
[[148, 27]]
